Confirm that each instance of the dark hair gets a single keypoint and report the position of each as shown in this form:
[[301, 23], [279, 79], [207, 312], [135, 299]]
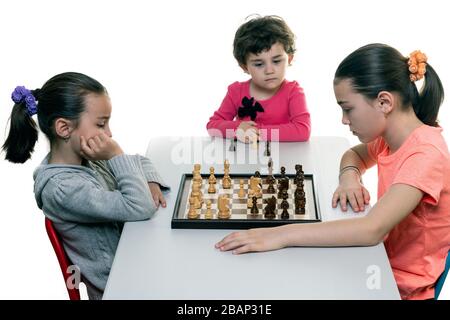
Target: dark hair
[[379, 67], [60, 97], [259, 34]]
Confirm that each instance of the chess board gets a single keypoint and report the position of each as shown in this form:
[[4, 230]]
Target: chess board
[[241, 217]]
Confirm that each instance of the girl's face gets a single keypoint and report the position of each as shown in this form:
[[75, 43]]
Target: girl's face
[[364, 118], [94, 120], [268, 68]]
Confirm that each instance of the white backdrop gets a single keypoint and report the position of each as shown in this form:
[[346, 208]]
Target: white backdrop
[[166, 66]]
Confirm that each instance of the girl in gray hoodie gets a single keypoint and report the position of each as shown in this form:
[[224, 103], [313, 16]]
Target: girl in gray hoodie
[[86, 185]]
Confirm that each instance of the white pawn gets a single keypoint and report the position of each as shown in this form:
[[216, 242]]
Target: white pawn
[[208, 213], [241, 193], [192, 214], [212, 188], [212, 178]]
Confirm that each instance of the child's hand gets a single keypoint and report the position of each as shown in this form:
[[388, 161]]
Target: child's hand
[[100, 147], [247, 131], [157, 195], [352, 190], [260, 239]]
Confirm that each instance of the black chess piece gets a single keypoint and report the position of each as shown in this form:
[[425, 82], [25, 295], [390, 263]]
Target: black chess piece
[[284, 205], [269, 210], [257, 174], [254, 210], [299, 205], [283, 172], [299, 192], [270, 181], [284, 214], [267, 151], [283, 185]]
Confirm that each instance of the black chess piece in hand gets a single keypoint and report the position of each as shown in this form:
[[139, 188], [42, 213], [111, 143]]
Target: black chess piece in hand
[[249, 109]]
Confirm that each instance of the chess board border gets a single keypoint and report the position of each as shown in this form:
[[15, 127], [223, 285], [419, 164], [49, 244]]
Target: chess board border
[[185, 223]]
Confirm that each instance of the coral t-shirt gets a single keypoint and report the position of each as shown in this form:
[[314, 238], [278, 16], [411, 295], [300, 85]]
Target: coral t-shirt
[[418, 245]]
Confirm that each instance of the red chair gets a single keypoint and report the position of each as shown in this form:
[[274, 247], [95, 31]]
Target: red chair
[[64, 262]]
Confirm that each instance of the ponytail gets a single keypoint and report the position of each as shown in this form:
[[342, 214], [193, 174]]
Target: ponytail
[[62, 96], [430, 98], [23, 133]]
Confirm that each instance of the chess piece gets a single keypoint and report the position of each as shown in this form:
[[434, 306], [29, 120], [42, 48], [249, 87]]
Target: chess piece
[[226, 165], [241, 193], [254, 210], [269, 210], [192, 214], [267, 151], [226, 180], [208, 213], [255, 185], [222, 205], [299, 206], [283, 172], [212, 188], [299, 174], [270, 167], [251, 194], [299, 200], [284, 205], [196, 194], [270, 180], [212, 178], [197, 177]]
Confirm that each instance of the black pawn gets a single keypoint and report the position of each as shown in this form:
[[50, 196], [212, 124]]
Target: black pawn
[[284, 205], [254, 209], [285, 214], [283, 172], [270, 188]]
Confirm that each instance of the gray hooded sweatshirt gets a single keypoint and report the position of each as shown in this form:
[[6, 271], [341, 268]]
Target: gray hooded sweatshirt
[[88, 206]]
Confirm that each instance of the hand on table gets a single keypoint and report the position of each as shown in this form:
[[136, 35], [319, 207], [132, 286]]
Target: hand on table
[[157, 195]]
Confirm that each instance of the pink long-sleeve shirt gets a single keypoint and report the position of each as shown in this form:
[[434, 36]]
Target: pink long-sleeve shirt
[[285, 112]]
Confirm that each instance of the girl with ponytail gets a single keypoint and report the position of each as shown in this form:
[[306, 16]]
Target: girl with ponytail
[[86, 185], [376, 87]]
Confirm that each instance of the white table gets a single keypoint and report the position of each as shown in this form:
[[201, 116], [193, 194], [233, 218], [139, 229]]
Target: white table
[[154, 261]]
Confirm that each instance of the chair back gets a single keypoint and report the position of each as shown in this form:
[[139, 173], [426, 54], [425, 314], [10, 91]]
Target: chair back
[[64, 262]]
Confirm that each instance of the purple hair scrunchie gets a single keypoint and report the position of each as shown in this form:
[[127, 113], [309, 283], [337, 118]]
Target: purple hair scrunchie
[[21, 94]]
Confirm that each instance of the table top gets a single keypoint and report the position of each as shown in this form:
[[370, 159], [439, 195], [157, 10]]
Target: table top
[[154, 261]]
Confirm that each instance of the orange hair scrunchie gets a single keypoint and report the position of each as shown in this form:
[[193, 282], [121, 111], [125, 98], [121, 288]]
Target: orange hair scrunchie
[[417, 63]]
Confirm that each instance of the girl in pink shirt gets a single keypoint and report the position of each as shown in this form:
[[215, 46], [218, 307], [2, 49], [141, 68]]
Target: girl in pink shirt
[[266, 107], [397, 125]]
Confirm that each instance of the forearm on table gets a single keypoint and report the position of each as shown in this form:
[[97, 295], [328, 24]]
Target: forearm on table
[[349, 232]]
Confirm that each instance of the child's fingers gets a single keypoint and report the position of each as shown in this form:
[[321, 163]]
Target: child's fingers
[[85, 149], [334, 200], [162, 201], [156, 200], [353, 202], [343, 201], [92, 145], [366, 196], [360, 200]]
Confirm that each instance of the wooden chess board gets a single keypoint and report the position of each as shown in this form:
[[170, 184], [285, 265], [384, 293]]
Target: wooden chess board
[[241, 217]]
